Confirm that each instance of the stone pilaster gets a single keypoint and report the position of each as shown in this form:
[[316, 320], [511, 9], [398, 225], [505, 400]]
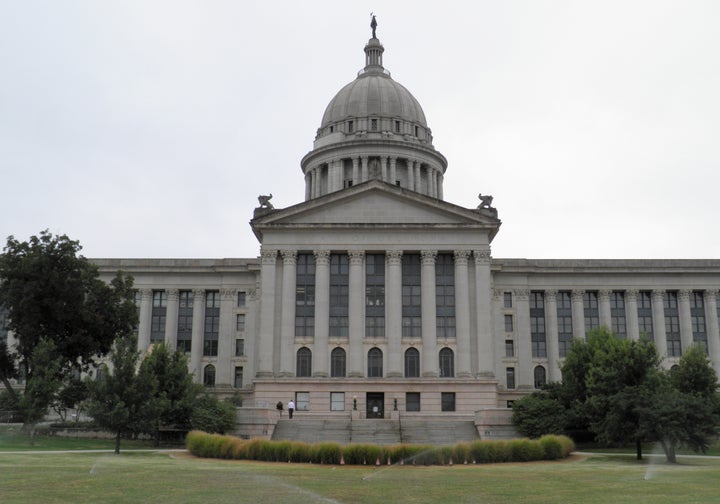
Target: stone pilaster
[[631, 314], [429, 332], [578, 314], [462, 314], [356, 322], [713, 329], [658, 317], [322, 313], [171, 318], [393, 170], [287, 318], [198, 333], [686, 334], [356, 170], [144, 319], [604, 308], [551, 335], [266, 334], [483, 312], [393, 312]]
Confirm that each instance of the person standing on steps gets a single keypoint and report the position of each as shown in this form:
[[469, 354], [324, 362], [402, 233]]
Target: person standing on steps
[[291, 408], [279, 407]]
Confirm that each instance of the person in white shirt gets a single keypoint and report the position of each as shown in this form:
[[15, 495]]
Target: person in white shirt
[[291, 407]]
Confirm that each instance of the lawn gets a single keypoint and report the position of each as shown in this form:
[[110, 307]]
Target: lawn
[[178, 477]]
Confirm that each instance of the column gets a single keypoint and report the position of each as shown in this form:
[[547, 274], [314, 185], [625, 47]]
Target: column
[[462, 314], [393, 312], [198, 332], [383, 168], [356, 170], [322, 313], [658, 317], [418, 177], [631, 314], [356, 322], [524, 377], [578, 314], [225, 373], [429, 357], [483, 312], [308, 185], [313, 182], [551, 335], [393, 170], [266, 335], [713, 331], [604, 308], [432, 179], [686, 332], [411, 174], [440, 186], [364, 168], [144, 319], [171, 319], [287, 317]]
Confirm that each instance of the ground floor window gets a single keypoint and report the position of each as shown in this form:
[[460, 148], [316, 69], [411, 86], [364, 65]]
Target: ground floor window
[[510, 377], [447, 401], [302, 401], [209, 376], [238, 377], [337, 401], [412, 401]]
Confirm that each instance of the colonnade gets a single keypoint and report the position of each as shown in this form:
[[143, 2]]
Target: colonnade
[[418, 176]]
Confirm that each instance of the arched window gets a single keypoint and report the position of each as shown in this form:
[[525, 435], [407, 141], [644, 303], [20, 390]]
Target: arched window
[[337, 363], [304, 362], [412, 363], [375, 363], [209, 376], [540, 378], [447, 363]]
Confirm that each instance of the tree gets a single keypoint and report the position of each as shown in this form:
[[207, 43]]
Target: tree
[[212, 415], [123, 401], [51, 293], [540, 413], [41, 387]]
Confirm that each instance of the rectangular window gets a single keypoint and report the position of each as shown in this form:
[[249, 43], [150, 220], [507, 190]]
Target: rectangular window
[[159, 311], [537, 323], [412, 401], [375, 295], [397, 126], [509, 348], [238, 377], [508, 323], [590, 308], [617, 314], [645, 320], [510, 377], [185, 321], [672, 324], [447, 401], [507, 300], [339, 295], [305, 295], [445, 296], [241, 298], [564, 319], [373, 124], [411, 308], [351, 126], [212, 323], [239, 347], [302, 401], [697, 319], [337, 401], [240, 323]]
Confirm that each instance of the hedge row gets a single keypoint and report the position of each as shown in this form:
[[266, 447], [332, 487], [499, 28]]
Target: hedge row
[[548, 447]]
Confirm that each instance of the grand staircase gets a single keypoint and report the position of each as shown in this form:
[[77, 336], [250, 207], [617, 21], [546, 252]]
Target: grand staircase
[[377, 431]]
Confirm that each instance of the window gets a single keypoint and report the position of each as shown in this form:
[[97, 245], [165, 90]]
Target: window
[[590, 308], [412, 401], [241, 298], [240, 323], [375, 295], [411, 308], [337, 363], [238, 377], [337, 401], [445, 296], [672, 324], [537, 324], [447, 401], [212, 324], [239, 347], [564, 320], [305, 295], [509, 348], [209, 376], [159, 311], [510, 377], [185, 321], [447, 363], [375, 363], [617, 314], [540, 379], [339, 292], [302, 401], [417, 131], [697, 319], [412, 363], [304, 363], [645, 321], [332, 129], [373, 124], [507, 299], [508, 323], [351, 126]]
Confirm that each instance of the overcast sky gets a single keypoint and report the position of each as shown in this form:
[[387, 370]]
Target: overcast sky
[[148, 128]]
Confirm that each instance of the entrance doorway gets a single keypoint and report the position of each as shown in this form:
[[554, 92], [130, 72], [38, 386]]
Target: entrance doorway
[[375, 405]]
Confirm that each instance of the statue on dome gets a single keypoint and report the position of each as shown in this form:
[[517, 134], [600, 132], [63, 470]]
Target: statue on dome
[[485, 201], [265, 201], [373, 25]]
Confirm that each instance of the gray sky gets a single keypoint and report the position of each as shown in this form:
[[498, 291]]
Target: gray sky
[[148, 128]]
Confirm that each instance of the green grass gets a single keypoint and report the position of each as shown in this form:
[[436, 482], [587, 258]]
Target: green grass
[[178, 478], [12, 439]]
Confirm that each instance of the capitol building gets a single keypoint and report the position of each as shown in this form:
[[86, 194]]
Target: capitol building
[[376, 297]]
